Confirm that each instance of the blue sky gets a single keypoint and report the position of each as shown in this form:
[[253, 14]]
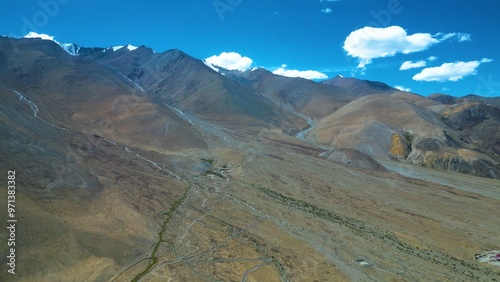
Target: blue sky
[[448, 46]]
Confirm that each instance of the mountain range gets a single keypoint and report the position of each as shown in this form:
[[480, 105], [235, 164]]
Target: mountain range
[[137, 165]]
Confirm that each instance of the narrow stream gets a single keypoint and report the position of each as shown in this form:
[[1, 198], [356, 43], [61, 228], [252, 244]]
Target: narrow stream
[[132, 82], [33, 106], [302, 135]]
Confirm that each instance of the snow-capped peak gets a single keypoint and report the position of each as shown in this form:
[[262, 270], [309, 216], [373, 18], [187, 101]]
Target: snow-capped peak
[[116, 48], [70, 48], [129, 47], [212, 66], [33, 34]]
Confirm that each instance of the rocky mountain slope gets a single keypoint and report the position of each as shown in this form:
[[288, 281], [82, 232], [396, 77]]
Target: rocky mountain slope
[[357, 88], [397, 127], [85, 96], [176, 79], [302, 95]]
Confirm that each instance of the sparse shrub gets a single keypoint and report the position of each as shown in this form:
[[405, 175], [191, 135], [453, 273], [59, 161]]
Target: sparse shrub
[[210, 161], [408, 138]]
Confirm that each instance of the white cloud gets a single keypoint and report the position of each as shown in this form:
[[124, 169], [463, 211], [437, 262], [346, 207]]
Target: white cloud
[[446, 36], [307, 74], [432, 58], [460, 36], [464, 37], [329, 0], [33, 34], [402, 88], [450, 71], [369, 43], [230, 61], [326, 10], [411, 65]]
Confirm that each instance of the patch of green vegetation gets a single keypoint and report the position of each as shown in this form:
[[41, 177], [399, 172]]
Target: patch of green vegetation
[[362, 229], [356, 225], [408, 138], [210, 161], [166, 219]]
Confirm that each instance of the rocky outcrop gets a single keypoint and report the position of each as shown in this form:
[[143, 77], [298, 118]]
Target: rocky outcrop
[[399, 147], [353, 158], [445, 153], [463, 161], [480, 167], [477, 124]]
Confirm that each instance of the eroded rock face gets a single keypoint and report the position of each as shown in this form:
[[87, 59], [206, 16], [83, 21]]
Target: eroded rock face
[[399, 147], [447, 162], [478, 166], [468, 117], [443, 152], [477, 124]]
